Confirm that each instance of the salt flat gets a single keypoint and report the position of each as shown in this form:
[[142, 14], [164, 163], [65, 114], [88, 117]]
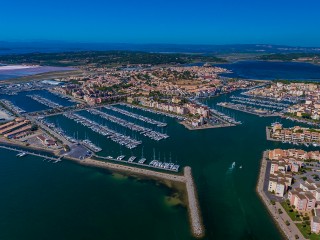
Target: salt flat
[[16, 67]]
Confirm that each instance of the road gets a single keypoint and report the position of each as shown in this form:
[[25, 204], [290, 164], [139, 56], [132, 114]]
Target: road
[[289, 231]]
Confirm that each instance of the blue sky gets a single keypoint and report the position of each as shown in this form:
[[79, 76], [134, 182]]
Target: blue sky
[[141, 21]]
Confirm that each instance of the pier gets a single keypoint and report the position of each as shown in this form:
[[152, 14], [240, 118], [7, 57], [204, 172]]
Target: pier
[[44, 101], [137, 116], [248, 109], [147, 132], [121, 139], [32, 153]]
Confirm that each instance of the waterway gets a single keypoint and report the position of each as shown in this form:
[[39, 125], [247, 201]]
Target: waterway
[[41, 200], [264, 70]]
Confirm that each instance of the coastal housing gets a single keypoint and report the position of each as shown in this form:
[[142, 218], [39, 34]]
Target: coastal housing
[[295, 134], [303, 193], [174, 106]]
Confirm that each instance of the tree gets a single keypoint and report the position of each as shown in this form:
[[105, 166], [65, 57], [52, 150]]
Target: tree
[[34, 127]]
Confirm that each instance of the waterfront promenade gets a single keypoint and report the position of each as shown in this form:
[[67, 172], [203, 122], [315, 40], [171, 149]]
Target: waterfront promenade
[[290, 231]]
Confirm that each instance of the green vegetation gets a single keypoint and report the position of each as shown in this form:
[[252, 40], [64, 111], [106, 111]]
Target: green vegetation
[[290, 56], [105, 58], [306, 231], [295, 81], [291, 212], [34, 127]]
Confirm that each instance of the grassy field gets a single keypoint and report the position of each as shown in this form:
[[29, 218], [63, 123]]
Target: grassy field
[[292, 215], [305, 230]]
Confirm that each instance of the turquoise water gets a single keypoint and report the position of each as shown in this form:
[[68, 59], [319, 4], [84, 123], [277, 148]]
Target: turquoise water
[[41, 200]]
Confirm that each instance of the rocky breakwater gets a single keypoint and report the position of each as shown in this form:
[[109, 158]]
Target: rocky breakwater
[[193, 205], [197, 227]]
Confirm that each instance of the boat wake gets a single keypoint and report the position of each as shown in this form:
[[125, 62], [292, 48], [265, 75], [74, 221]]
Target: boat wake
[[230, 169]]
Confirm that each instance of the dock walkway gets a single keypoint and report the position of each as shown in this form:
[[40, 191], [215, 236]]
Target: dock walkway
[[31, 153]]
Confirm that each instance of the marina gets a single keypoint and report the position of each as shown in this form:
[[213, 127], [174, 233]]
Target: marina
[[17, 110], [155, 164], [261, 103], [218, 117], [224, 116], [45, 101], [147, 132], [137, 116], [121, 139], [87, 143], [57, 130], [261, 112]]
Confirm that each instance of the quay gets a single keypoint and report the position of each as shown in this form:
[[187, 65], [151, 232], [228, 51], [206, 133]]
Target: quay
[[289, 231], [137, 163], [247, 109]]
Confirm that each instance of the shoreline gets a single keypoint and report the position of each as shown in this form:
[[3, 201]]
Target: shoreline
[[42, 76], [277, 218], [170, 180]]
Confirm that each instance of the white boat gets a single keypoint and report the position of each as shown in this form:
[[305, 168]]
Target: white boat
[[131, 159], [21, 154], [233, 165]]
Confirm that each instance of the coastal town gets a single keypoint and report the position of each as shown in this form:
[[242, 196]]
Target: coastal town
[[295, 135], [132, 106], [293, 182]]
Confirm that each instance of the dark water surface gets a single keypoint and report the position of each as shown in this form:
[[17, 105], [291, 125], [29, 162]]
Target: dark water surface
[[41, 200], [264, 70]]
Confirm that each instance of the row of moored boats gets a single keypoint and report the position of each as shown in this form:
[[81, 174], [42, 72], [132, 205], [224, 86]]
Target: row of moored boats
[[45, 101], [147, 132], [154, 163], [12, 107], [136, 116], [104, 131]]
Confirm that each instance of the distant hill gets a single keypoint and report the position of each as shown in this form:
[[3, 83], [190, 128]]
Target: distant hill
[[54, 47]]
